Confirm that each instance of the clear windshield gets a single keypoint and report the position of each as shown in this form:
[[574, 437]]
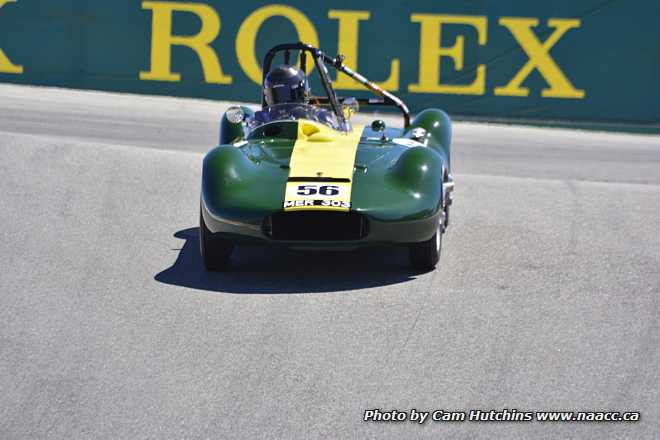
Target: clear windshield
[[293, 112]]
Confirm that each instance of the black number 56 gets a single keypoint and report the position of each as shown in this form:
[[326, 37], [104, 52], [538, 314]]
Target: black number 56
[[325, 190]]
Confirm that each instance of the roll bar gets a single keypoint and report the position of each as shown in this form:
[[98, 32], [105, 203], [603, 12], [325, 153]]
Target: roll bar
[[320, 60]]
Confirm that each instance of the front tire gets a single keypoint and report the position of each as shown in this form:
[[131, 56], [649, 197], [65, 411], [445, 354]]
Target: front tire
[[215, 251], [424, 256]]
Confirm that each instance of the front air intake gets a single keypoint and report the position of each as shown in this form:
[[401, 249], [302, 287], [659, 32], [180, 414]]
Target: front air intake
[[316, 226]]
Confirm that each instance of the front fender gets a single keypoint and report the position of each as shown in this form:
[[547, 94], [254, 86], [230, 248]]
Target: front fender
[[237, 189], [409, 189]]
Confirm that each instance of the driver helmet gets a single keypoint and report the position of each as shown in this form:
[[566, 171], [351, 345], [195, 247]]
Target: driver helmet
[[286, 84]]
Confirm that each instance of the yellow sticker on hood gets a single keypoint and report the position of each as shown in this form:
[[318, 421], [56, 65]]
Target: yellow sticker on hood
[[321, 168]]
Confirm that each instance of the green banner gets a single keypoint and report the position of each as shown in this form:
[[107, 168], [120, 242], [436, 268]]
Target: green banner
[[577, 60]]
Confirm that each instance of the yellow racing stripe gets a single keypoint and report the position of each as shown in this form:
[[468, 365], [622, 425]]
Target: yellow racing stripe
[[321, 168]]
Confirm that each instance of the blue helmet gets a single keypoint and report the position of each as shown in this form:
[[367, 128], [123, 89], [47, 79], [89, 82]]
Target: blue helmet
[[286, 84]]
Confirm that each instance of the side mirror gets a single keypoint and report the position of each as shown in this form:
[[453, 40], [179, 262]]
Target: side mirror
[[350, 106], [378, 125], [235, 115]]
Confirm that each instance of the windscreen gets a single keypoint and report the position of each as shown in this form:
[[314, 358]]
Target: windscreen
[[293, 112]]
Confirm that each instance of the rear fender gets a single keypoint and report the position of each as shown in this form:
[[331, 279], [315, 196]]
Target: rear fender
[[438, 131], [231, 132]]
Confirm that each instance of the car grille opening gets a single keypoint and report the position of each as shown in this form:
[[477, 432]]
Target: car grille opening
[[316, 226]]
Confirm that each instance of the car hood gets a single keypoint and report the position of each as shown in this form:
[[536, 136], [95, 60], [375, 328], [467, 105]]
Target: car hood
[[387, 179]]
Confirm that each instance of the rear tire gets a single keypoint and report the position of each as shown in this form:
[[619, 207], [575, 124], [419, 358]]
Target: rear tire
[[215, 251], [448, 189], [424, 256]]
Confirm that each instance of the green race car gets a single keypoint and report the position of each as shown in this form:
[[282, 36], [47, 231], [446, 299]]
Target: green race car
[[298, 172]]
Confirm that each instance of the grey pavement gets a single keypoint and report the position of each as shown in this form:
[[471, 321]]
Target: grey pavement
[[546, 296]]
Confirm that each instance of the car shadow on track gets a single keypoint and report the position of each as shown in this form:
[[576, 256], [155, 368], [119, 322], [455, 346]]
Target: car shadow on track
[[275, 269]]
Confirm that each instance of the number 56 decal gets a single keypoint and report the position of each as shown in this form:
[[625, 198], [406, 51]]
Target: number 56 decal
[[310, 195], [324, 190]]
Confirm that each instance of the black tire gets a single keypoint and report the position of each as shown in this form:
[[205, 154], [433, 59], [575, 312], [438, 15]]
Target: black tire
[[215, 251], [424, 256]]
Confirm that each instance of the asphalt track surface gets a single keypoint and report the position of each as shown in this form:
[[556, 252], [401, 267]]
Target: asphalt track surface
[[546, 296]]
